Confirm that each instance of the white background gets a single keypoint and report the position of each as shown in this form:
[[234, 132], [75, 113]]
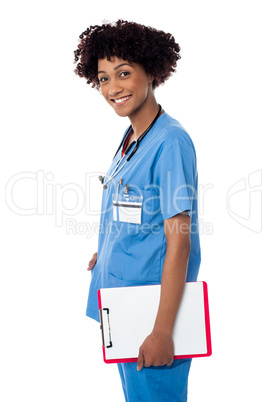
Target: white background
[[58, 133]]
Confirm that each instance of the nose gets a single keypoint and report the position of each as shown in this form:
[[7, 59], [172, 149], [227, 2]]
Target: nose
[[114, 88]]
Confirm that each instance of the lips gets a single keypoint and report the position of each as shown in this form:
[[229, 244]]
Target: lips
[[121, 100]]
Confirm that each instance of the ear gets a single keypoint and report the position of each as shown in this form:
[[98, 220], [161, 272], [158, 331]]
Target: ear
[[150, 78], [150, 81]]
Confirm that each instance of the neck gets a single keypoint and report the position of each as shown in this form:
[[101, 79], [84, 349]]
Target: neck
[[143, 117]]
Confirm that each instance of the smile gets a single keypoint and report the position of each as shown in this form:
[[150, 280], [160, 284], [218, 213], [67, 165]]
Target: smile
[[121, 100]]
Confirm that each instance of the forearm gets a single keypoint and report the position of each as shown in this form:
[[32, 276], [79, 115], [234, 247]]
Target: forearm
[[172, 285], [158, 348]]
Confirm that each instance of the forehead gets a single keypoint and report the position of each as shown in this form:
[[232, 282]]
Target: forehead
[[106, 65]]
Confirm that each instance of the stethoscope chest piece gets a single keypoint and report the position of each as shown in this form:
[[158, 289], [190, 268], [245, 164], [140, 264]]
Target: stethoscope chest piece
[[101, 179]]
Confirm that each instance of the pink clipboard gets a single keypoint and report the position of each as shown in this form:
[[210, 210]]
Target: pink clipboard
[[127, 316]]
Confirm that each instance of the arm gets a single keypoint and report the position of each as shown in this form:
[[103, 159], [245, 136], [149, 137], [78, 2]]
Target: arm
[[158, 348]]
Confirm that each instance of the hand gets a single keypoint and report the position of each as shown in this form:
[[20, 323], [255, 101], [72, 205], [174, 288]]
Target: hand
[[92, 262], [156, 350]]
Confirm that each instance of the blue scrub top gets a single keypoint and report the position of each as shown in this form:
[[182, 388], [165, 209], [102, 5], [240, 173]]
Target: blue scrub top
[[164, 172]]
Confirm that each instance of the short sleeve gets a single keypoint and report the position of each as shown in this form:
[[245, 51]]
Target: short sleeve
[[175, 177]]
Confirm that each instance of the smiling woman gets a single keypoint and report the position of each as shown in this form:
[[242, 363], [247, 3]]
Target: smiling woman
[[126, 62]]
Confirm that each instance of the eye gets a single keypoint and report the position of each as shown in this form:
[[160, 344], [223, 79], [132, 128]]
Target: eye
[[102, 79], [124, 74]]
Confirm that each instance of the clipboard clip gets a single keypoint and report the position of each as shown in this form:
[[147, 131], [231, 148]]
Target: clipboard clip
[[102, 327]]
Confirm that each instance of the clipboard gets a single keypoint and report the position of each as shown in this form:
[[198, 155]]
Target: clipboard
[[127, 316]]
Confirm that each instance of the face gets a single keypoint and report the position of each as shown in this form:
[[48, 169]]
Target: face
[[125, 86]]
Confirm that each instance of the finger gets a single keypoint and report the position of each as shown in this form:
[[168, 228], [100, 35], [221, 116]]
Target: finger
[[92, 262], [170, 362], [147, 364], [140, 361], [90, 265]]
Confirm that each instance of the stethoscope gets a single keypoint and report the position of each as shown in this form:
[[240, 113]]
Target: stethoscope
[[125, 158]]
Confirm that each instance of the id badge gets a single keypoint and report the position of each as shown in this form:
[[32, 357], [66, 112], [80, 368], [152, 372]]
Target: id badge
[[127, 208]]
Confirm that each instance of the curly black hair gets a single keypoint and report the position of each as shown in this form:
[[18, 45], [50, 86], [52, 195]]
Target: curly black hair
[[155, 50]]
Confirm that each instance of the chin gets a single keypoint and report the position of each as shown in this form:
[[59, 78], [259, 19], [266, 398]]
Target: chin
[[121, 113]]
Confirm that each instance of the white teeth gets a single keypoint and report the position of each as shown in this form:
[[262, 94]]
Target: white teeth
[[121, 99]]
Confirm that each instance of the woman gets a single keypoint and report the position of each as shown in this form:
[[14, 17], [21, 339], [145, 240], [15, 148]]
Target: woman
[[159, 242]]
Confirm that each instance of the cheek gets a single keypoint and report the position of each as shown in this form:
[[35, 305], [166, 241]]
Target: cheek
[[142, 87], [103, 92], [143, 91], [140, 90]]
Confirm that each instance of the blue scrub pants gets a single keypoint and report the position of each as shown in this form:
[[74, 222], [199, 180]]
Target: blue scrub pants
[[155, 384]]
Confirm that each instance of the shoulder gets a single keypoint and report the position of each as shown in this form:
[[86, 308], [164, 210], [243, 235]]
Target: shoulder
[[171, 133]]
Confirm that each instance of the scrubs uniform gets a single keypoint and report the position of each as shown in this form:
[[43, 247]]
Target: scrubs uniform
[[163, 173]]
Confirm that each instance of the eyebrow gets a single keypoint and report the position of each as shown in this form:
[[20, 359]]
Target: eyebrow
[[116, 68]]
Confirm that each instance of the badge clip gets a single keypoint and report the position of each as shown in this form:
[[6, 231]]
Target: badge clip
[[126, 189]]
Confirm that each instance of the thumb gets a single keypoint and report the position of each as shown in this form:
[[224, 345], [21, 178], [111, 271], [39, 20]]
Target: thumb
[[140, 360]]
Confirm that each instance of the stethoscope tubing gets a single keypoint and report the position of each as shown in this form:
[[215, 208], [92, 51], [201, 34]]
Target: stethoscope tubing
[[115, 171], [136, 143]]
